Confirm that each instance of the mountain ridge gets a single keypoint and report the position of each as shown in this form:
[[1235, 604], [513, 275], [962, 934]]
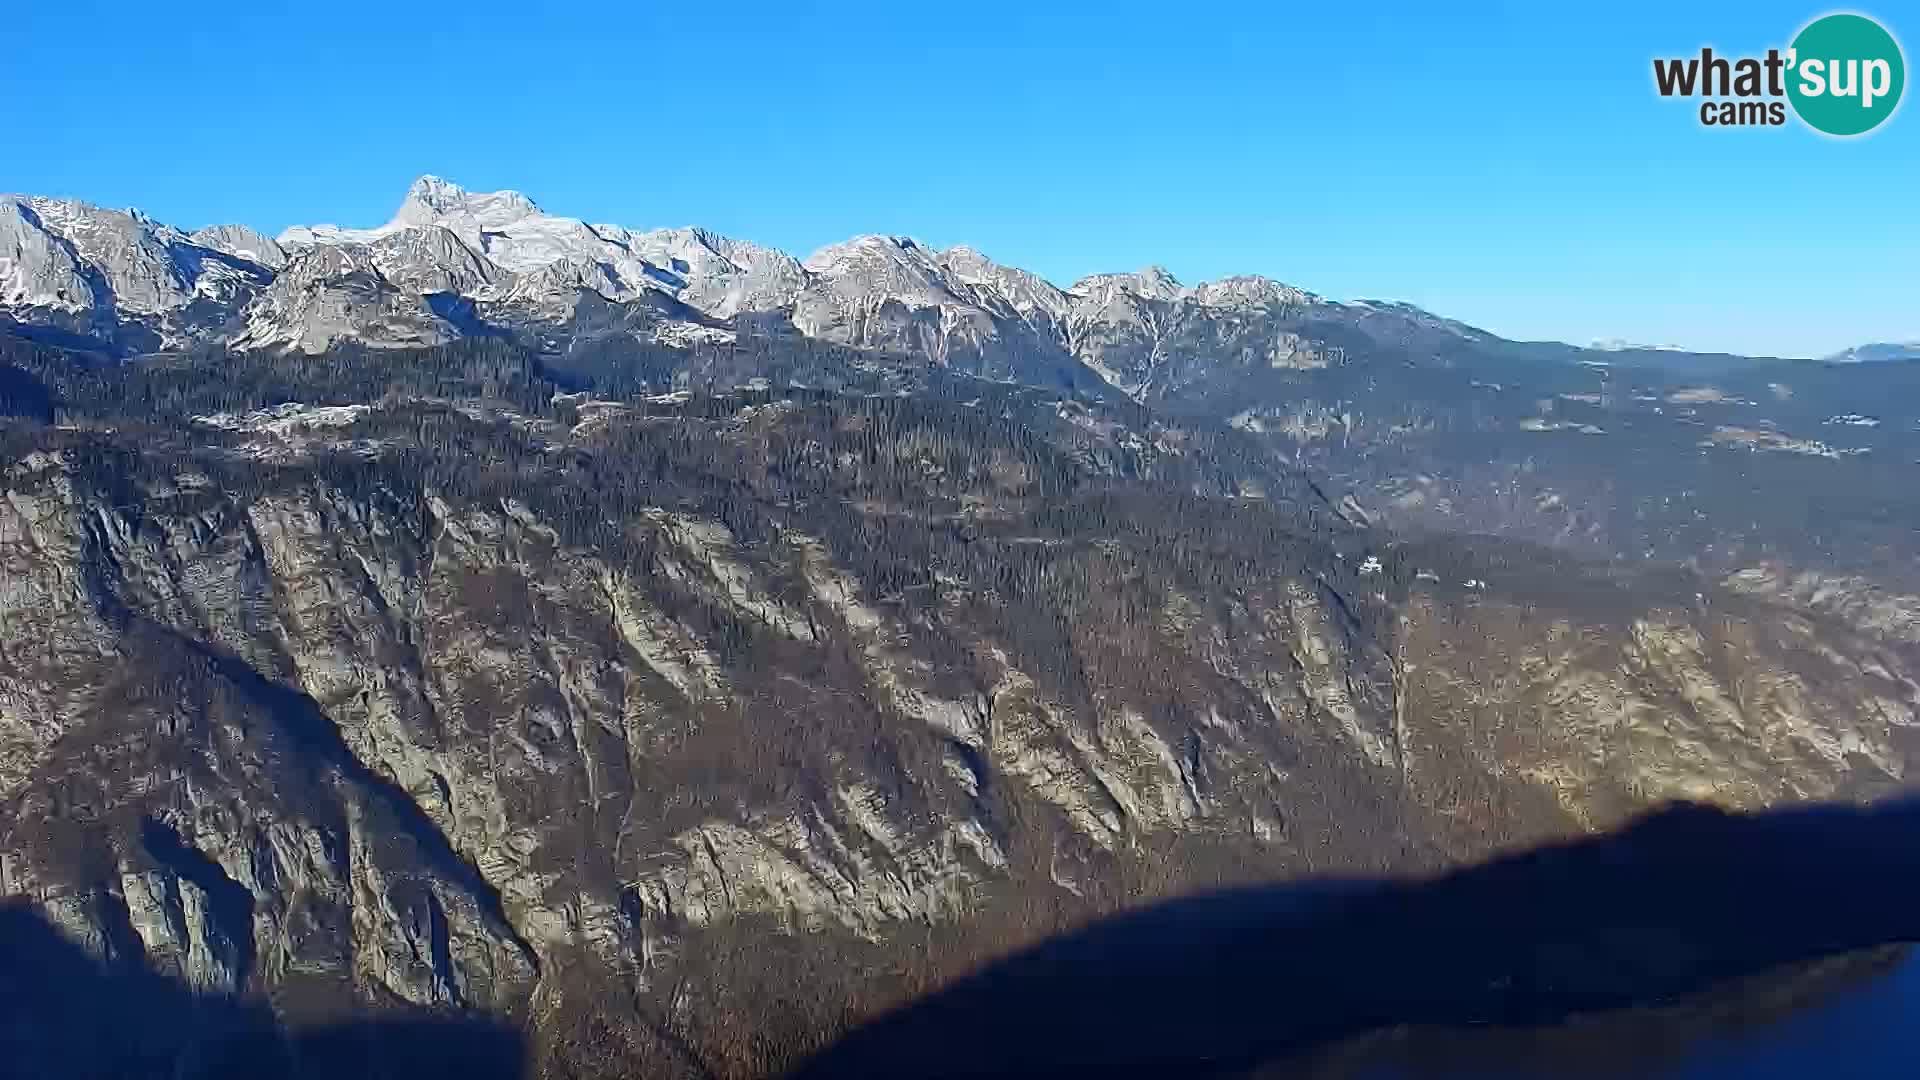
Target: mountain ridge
[[133, 285]]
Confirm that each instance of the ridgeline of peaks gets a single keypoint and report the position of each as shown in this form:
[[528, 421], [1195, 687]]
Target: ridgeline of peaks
[[453, 263], [120, 281]]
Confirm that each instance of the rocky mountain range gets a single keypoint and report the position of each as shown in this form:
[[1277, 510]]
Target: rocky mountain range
[[682, 652], [453, 263]]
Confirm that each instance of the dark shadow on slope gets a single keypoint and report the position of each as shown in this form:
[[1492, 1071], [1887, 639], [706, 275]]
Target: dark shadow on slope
[[304, 722], [230, 903], [459, 313], [65, 1015], [1678, 903], [23, 395], [312, 727], [59, 337]]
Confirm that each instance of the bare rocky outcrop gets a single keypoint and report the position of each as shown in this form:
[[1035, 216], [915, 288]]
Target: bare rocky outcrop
[[276, 721]]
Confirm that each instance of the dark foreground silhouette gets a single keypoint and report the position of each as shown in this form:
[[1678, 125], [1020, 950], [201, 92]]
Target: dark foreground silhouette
[[1285, 980], [64, 1015], [1619, 933]]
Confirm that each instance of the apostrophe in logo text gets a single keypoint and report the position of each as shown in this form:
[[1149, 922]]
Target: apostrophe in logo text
[[1842, 75]]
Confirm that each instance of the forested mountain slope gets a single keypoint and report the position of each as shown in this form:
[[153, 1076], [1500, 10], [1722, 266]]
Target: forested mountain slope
[[686, 723]]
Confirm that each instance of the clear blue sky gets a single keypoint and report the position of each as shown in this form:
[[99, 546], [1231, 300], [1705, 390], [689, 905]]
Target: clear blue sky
[[1508, 164]]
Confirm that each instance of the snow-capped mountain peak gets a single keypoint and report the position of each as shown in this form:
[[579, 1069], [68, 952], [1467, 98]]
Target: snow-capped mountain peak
[[242, 242], [873, 249], [1148, 283], [1250, 291], [452, 262], [115, 276], [433, 201], [429, 201], [1029, 294]]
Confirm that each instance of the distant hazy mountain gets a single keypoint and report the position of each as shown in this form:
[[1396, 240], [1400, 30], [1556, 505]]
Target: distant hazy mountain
[[1623, 345], [1878, 352]]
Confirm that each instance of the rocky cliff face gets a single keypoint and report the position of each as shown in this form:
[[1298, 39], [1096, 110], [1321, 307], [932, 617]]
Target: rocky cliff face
[[468, 705], [169, 794], [338, 294], [117, 278]]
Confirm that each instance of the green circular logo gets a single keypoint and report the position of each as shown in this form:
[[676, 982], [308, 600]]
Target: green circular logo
[[1845, 74]]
